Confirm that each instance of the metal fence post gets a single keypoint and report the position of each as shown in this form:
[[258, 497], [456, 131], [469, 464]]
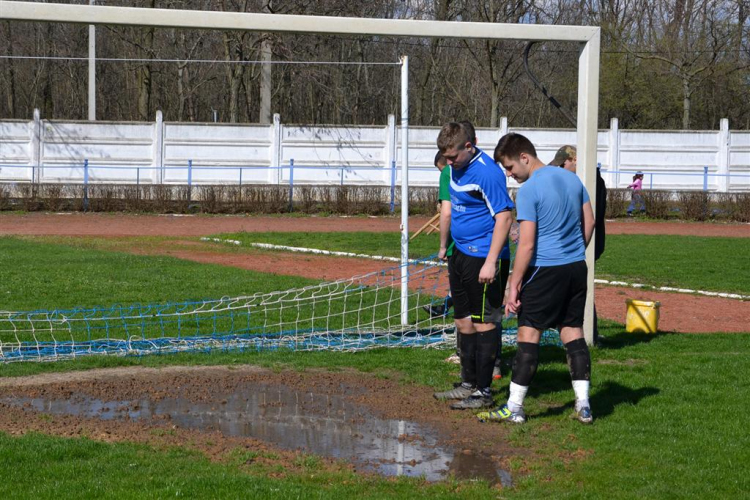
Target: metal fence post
[[190, 182], [705, 178], [138, 186], [85, 185], [393, 186], [291, 184], [34, 182]]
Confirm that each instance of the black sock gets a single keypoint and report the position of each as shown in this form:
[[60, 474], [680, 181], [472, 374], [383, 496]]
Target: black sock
[[486, 354], [579, 359], [525, 363], [468, 358], [498, 356]]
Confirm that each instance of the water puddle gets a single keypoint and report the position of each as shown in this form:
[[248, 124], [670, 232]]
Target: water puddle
[[314, 423]]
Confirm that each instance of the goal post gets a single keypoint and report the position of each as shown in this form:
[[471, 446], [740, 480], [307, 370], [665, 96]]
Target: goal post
[[588, 62]]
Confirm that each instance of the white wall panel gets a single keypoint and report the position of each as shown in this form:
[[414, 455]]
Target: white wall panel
[[114, 151], [15, 150], [218, 153]]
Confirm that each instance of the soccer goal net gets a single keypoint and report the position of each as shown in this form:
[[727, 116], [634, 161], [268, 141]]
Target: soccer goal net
[[352, 314]]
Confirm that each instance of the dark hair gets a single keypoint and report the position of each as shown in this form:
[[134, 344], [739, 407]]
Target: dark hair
[[438, 158], [511, 146], [452, 135], [470, 129]]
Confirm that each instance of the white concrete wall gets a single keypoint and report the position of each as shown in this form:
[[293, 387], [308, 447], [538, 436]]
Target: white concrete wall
[[336, 155], [217, 152], [157, 152], [739, 161], [114, 151], [16, 143]]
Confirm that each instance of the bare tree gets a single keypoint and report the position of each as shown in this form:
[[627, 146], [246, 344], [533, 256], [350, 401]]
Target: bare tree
[[688, 37]]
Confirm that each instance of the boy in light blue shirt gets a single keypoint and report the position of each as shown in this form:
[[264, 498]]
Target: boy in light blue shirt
[[548, 285]]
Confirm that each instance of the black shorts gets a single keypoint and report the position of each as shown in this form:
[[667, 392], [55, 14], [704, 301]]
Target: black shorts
[[482, 302], [553, 296]]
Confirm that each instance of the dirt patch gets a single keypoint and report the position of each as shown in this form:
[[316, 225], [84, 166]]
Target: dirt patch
[[209, 387], [679, 312], [317, 267], [679, 228], [112, 225], [79, 224]]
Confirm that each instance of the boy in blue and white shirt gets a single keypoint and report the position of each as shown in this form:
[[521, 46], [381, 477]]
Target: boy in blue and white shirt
[[480, 220]]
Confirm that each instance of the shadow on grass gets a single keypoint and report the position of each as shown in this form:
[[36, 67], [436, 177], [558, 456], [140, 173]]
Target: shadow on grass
[[606, 396], [609, 396], [623, 339], [612, 336]]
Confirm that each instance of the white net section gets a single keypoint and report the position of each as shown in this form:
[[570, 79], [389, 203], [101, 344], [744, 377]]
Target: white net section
[[351, 314]]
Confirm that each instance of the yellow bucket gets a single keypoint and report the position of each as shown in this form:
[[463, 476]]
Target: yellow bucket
[[642, 316]]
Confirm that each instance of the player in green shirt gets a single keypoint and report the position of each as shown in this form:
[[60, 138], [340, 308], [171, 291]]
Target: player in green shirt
[[444, 199]]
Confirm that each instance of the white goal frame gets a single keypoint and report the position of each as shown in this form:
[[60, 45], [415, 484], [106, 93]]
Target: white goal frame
[[588, 67]]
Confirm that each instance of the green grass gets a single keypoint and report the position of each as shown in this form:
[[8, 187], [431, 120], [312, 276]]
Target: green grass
[[671, 410], [671, 422], [714, 264], [81, 468], [47, 276]]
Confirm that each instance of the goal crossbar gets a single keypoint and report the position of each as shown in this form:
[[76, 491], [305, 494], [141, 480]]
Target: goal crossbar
[[287, 23]]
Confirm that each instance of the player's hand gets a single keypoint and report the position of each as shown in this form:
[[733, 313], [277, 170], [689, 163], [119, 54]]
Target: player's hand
[[513, 303], [487, 273], [442, 254]]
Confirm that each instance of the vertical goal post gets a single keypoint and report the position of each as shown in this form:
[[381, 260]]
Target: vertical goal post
[[588, 64]]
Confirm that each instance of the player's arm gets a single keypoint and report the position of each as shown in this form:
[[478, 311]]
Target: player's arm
[[587, 222], [445, 227], [503, 221], [524, 253]]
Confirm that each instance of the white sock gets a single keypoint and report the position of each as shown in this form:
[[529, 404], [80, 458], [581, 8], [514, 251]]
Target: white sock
[[581, 388], [517, 393]]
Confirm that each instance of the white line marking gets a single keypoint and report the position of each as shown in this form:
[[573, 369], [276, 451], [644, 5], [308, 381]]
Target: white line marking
[[318, 251], [723, 295]]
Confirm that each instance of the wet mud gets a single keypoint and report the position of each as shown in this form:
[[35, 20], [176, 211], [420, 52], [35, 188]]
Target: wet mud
[[375, 425]]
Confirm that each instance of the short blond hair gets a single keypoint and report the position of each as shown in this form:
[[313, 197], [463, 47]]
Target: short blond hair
[[452, 135]]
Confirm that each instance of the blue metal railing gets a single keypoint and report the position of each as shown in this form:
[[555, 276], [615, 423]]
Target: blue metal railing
[[704, 183], [340, 171]]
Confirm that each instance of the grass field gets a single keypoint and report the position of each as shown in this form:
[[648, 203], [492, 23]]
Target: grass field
[[670, 409], [715, 264]]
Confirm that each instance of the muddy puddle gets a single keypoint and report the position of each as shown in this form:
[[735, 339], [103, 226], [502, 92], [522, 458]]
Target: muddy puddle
[[320, 424]]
